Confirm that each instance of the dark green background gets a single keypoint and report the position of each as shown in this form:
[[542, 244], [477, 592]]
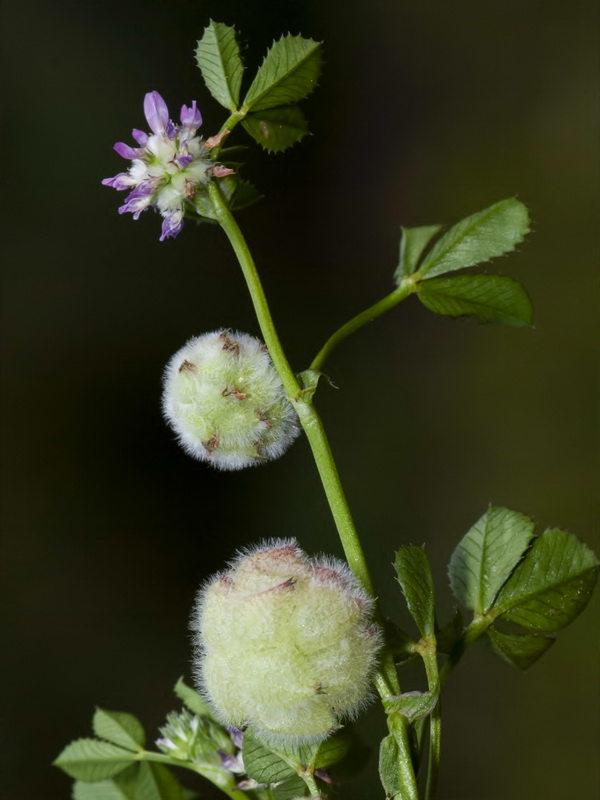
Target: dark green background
[[427, 111]]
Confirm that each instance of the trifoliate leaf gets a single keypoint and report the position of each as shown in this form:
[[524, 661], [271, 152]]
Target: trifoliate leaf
[[192, 699], [92, 760], [486, 556], [119, 728], [276, 129], [412, 245], [330, 751], [121, 787], [520, 649], [262, 763], [490, 298], [157, 782], [551, 586], [487, 234], [412, 705], [414, 577], [288, 73], [218, 56]]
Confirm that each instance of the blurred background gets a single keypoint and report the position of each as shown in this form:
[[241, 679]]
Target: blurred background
[[427, 111]]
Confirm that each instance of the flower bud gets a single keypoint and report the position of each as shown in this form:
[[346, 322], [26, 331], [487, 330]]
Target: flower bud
[[285, 644], [226, 403]]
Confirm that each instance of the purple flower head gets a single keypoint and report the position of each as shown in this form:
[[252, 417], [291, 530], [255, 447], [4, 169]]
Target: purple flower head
[[167, 166], [156, 112]]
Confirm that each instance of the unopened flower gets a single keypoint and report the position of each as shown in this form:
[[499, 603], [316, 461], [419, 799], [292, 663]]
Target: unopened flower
[[167, 165], [285, 644], [198, 739], [226, 403]]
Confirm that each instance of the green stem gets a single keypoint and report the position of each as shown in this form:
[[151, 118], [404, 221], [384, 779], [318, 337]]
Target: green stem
[[223, 780], [310, 781], [429, 655], [229, 124], [376, 310], [386, 678]]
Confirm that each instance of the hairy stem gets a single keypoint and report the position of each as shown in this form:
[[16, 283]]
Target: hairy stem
[[386, 679], [368, 315]]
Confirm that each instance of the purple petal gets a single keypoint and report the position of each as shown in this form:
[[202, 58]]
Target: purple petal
[[143, 189], [121, 181], [185, 161], [126, 151], [171, 130], [135, 205], [191, 118], [237, 737], [140, 137], [171, 227], [156, 112]]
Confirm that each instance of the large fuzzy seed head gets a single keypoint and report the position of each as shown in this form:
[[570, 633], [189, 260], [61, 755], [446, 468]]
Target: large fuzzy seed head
[[285, 644], [224, 400]]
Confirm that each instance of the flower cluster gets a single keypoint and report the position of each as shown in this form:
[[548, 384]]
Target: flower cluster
[[285, 644], [189, 737], [168, 165]]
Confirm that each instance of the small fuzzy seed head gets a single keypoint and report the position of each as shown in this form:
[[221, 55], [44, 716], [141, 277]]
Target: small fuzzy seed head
[[285, 644], [224, 400]]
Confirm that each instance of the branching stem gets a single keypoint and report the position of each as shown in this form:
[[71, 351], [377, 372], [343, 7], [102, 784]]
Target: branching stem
[[386, 679]]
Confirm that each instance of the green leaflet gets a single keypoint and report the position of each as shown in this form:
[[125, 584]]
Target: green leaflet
[[263, 764], [412, 245], [146, 781], [487, 234], [551, 586], [290, 790], [245, 195], [520, 649], [289, 73], [490, 298], [276, 129], [119, 728], [486, 556], [192, 699], [414, 577], [269, 766], [92, 760], [230, 187], [388, 768], [157, 782], [121, 787], [220, 62]]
